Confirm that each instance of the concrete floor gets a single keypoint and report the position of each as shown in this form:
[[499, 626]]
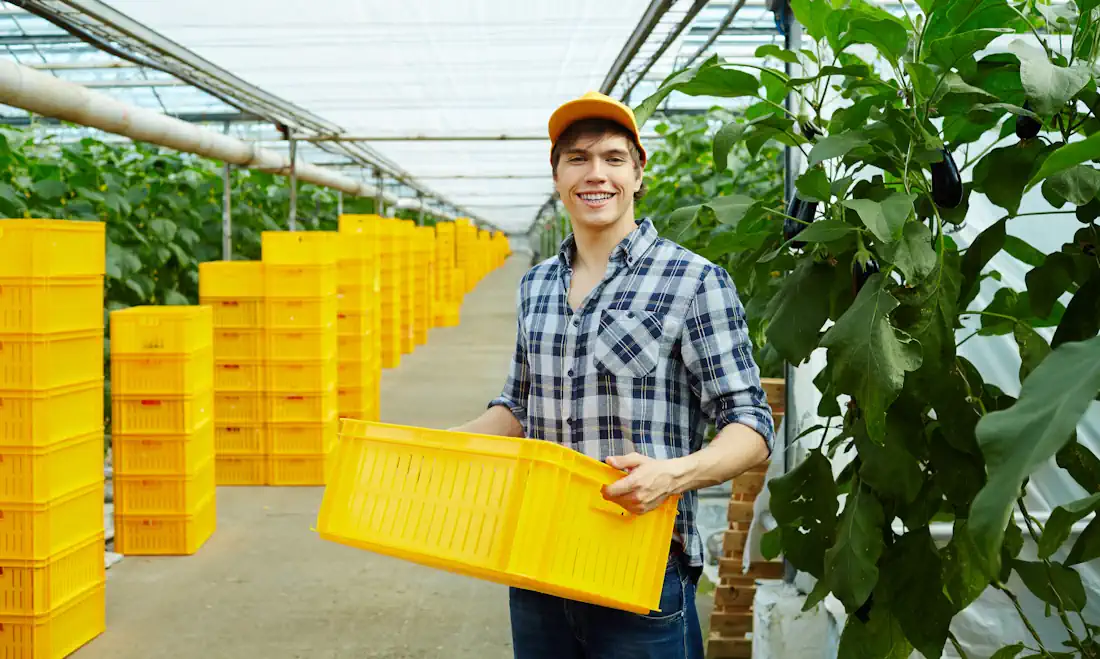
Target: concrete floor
[[266, 586]]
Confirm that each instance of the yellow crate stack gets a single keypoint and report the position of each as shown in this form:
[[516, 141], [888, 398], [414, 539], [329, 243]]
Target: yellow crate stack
[[392, 268], [407, 244], [162, 413], [424, 251], [484, 254], [359, 326], [466, 252], [300, 278], [234, 290], [447, 297], [51, 436]]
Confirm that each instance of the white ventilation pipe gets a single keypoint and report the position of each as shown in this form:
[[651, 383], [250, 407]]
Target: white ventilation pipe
[[44, 94]]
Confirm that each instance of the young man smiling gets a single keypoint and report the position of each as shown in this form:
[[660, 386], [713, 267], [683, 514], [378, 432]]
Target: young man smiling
[[628, 346]]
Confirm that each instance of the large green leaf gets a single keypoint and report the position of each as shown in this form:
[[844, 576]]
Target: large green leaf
[[813, 185], [773, 50], [812, 15], [1024, 252], [888, 468], [836, 146], [950, 17], [988, 243], [799, 309], [913, 576], [1047, 281], [1083, 466], [1003, 174], [913, 254], [1033, 348], [827, 230], [928, 313], [1087, 547], [724, 140], [880, 637], [962, 575], [1067, 156], [804, 503], [1062, 518], [947, 51], [870, 356], [888, 36], [1049, 86], [1077, 185], [884, 218], [1056, 585], [709, 78], [1082, 317], [1018, 440], [851, 564]]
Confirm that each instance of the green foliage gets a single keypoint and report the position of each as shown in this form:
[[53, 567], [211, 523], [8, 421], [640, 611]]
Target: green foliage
[[926, 123]]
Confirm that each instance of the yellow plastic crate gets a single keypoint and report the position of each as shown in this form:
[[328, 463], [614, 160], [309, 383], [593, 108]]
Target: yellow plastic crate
[[161, 414], [59, 633], [35, 588], [36, 531], [37, 362], [299, 247], [238, 344], [298, 470], [354, 323], [301, 438], [357, 274], [153, 455], [165, 535], [241, 469], [52, 248], [238, 376], [40, 475], [43, 418], [351, 374], [521, 512], [301, 407], [235, 280], [300, 281], [237, 408], [301, 344], [235, 312], [354, 398], [140, 375], [50, 306], [354, 348], [301, 313], [244, 439], [301, 376], [161, 330], [156, 495], [356, 299]]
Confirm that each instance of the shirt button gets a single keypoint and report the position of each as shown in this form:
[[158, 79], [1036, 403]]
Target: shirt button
[[570, 373], [569, 420]]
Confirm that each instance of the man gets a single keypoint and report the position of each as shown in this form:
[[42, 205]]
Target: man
[[628, 346]]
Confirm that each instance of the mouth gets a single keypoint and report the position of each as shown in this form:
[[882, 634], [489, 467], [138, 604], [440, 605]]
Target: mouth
[[595, 199]]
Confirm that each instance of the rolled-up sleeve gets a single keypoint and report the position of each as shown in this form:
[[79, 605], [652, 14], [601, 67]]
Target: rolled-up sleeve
[[717, 352], [517, 385]]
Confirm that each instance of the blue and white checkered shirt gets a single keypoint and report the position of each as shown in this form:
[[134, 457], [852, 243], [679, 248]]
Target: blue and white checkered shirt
[[659, 350]]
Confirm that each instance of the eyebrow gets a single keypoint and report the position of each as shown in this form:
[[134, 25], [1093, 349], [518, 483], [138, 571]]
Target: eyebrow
[[606, 152]]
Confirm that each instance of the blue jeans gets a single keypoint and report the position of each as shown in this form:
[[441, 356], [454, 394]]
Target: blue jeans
[[548, 627]]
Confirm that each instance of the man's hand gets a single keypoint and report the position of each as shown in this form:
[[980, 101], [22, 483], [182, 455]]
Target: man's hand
[[647, 484]]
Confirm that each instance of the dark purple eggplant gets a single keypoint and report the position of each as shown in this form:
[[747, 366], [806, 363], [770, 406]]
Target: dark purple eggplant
[[791, 228], [947, 186], [1027, 127], [860, 274], [809, 131]]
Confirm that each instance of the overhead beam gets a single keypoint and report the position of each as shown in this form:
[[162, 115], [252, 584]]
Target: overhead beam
[[190, 117], [81, 66], [441, 138], [692, 12], [36, 39], [649, 20]]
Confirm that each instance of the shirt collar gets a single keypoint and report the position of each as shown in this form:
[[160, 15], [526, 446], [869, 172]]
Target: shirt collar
[[629, 250]]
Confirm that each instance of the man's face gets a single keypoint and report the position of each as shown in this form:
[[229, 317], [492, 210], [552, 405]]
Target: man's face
[[596, 180]]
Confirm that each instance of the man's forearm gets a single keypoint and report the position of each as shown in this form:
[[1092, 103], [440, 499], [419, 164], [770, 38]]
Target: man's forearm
[[497, 420], [734, 450]]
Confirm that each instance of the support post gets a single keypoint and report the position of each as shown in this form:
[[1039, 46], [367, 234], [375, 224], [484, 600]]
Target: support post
[[293, 221], [227, 212], [339, 203], [420, 219], [378, 203]]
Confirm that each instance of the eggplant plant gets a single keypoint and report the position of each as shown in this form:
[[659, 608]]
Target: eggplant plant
[[900, 120]]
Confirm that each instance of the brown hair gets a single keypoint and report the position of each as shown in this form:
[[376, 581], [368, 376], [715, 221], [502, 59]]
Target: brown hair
[[597, 128]]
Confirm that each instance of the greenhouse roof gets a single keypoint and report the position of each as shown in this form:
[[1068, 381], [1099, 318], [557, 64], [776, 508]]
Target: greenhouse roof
[[451, 96]]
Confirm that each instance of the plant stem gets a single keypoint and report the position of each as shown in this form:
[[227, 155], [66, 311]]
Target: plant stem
[[1031, 25], [1027, 623], [958, 648], [1031, 524], [970, 161], [989, 313], [970, 336]]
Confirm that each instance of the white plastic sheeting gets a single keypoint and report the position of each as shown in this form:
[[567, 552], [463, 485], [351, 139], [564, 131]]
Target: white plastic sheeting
[[377, 68]]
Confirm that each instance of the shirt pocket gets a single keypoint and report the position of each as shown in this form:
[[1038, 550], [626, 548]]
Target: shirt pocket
[[628, 343]]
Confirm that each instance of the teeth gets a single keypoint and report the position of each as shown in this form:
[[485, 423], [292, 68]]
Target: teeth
[[596, 197]]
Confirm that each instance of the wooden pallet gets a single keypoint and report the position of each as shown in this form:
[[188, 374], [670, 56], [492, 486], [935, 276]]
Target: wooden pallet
[[731, 621]]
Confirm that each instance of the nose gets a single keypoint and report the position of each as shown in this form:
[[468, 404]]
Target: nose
[[595, 173]]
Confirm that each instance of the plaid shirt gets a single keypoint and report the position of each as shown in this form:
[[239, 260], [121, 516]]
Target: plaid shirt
[[659, 350]]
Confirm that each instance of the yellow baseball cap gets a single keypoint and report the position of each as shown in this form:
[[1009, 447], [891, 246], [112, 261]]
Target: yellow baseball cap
[[594, 105]]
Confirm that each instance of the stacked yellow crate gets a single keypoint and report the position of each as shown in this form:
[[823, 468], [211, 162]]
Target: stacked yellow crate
[[407, 243], [422, 279], [466, 253], [300, 281], [446, 307], [162, 411], [483, 254], [51, 436], [358, 325], [392, 268], [235, 292]]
